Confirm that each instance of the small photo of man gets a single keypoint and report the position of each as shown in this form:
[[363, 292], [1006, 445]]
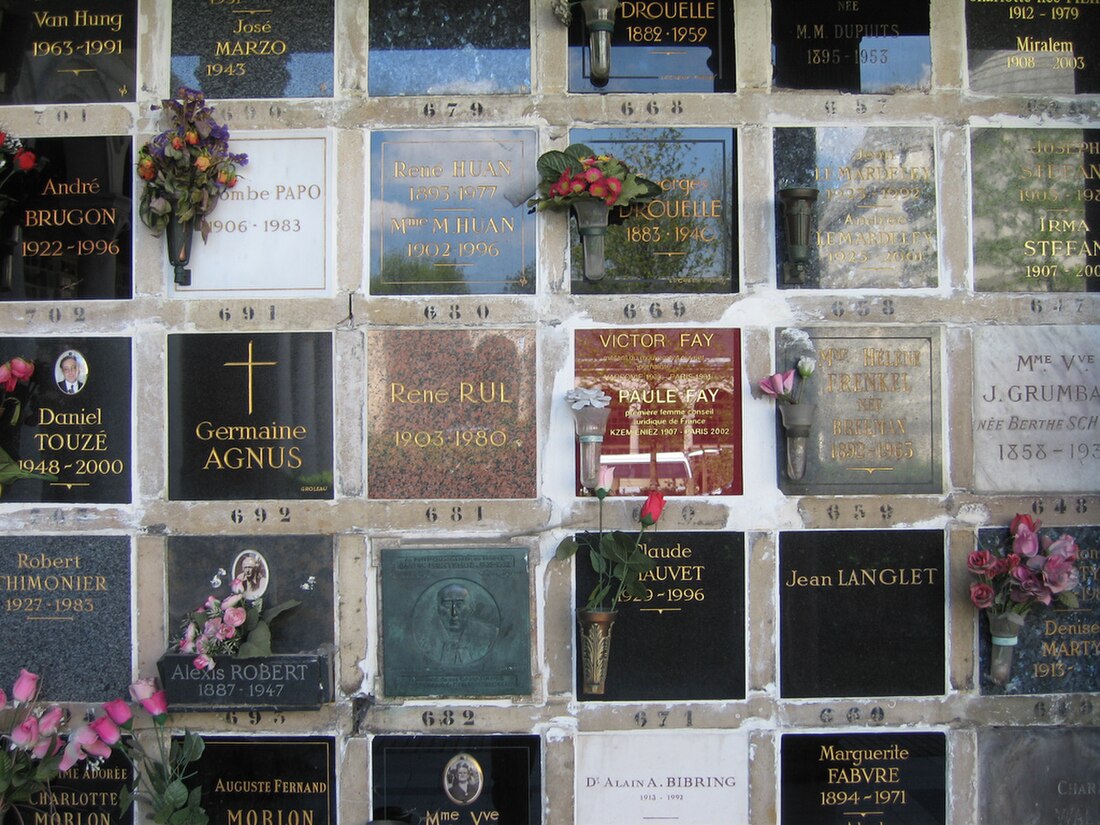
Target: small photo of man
[[70, 372]]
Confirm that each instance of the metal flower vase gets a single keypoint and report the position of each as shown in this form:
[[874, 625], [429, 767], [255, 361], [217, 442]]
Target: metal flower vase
[[591, 214], [180, 235], [595, 647], [1004, 630], [797, 420]]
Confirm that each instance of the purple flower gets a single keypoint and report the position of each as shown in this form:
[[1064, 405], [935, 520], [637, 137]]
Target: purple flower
[[779, 385]]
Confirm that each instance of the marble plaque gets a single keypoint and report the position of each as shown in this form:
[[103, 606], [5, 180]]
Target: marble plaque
[[684, 241], [457, 778], [1038, 775], [877, 424], [253, 49], [68, 51], [861, 613], [1057, 649], [675, 422], [668, 776], [660, 47], [460, 47], [1035, 196], [1033, 49], [66, 614], [69, 421], [888, 778], [1037, 409], [866, 46], [66, 232], [456, 622], [250, 416], [86, 794], [874, 219], [451, 414], [274, 233], [684, 639], [448, 212], [268, 779]]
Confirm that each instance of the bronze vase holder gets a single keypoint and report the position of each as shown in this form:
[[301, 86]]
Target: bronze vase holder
[[797, 420], [595, 647], [591, 214], [179, 235]]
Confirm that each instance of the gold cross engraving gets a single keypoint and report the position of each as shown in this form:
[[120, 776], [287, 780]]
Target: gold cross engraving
[[250, 364]]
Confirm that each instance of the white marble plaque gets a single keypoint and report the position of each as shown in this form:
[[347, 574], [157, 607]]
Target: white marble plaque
[[1037, 409], [273, 234], [681, 778]]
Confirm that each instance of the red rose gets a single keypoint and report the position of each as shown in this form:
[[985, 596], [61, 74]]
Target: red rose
[[1031, 524], [982, 595], [25, 160], [651, 510]]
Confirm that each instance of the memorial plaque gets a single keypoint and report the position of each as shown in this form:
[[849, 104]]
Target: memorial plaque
[[451, 414], [250, 416], [1043, 49], [685, 240], [70, 420], [252, 49], [290, 780], [875, 214], [68, 51], [866, 46], [877, 424], [1037, 409], [684, 639], [448, 212], [1035, 776], [1058, 647], [272, 234], [886, 778], [65, 230], [456, 621], [675, 422], [1036, 201], [467, 779], [86, 794], [460, 47], [681, 777], [861, 613], [660, 47], [66, 614]]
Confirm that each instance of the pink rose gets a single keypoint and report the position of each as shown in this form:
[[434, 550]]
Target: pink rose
[[157, 704], [21, 368], [982, 595], [3, 698], [51, 720], [1027, 521], [236, 586], [1026, 541], [119, 711], [7, 380], [91, 744], [1064, 547], [606, 478], [142, 689], [25, 687], [202, 662], [73, 754], [981, 562], [25, 734], [1059, 574], [106, 729], [47, 746], [235, 616], [232, 601], [779, 385]]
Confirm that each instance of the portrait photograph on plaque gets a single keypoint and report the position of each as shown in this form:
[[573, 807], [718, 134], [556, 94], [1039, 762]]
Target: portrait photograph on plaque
[[68, 51], [456, 621], [448, 212], [66, 421], [253, 49], [66, 614], [675, 423], [684, 639], [861, 613], [861, 46], [685, 240], [457, 778], [65, 223], [250, 416]]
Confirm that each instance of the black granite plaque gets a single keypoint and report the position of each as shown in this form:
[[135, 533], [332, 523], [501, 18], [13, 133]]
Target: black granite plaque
[[1057, 647], [250, 416], [460, 47], [67, 51], [66, 614], [685, 240], [449, 213], [1050, 48], [876, 426], [874, 222], [1036, 205], [660, 47], [1036, 776], [289, 780], [467, 779], [685, 638], [66, 232], [253, 49], [86, 794], [70, 420], [456, 622], [861, 613], [844, 778], [867, 46]]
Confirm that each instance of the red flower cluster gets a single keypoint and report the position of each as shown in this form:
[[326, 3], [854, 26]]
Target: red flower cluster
[[591, 181]]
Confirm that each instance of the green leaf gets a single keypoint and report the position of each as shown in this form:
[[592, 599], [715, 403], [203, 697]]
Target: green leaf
[[125, 799], [597, 562], [1068, 598], [567, 549], [271, 613], [175, 794], [551, 164]]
